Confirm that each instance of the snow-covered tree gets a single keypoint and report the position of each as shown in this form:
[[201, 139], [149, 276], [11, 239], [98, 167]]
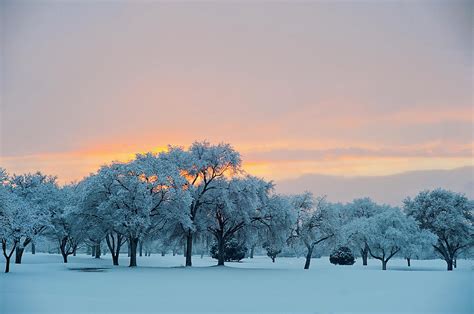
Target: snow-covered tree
[[202, 164], [16, 223], [280, 218], [141, 196], [232, 206], [419, 246], [354, 236], [67, 227], [316, 221], [388, 233], [37, 191], [449, 216], [91, 193]]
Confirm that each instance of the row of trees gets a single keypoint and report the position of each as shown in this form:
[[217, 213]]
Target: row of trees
[[182, 195]]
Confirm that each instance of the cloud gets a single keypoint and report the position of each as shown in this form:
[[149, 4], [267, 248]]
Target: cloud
[[390, 189], [437, 150]]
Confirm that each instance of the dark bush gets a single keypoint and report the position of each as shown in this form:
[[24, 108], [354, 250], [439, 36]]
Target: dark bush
[[233, 251], [342, 256]]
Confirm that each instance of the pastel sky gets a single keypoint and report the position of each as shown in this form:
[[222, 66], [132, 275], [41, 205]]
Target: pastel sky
[[344, 88]]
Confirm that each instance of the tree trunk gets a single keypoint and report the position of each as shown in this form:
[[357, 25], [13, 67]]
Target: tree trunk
[[62, 249], [97, 251], [364, 253], [114, 247], [133, 251], [408, 261], [7, 264], [273, 259], [33, 248], [450, 264], [141, 248], [455, 263], [18, 254], [74, 251], [308, 258], [129, 250], [115, 257], [221, 253], [252, 250], [163, 253], [174, 252], [384, 265], [189, 249], [93, 248]]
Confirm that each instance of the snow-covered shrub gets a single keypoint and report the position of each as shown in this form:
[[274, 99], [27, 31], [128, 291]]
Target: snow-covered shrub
[[233, 251], [342, 256], [272, 250]]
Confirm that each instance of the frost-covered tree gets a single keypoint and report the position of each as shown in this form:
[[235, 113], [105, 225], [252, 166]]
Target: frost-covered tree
[[419, 246], [16, 223], [354, 236], [449, 216], [316, 221], [202, 164], [232, 206], [280, 218], [67, 227], [38, 192], [388, 233], [143, 195], [97, 212]]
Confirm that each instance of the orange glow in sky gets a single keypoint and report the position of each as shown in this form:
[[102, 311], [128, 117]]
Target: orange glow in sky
[[356, 88]]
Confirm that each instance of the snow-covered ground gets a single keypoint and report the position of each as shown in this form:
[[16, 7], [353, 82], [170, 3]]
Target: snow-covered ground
[[43, 284]]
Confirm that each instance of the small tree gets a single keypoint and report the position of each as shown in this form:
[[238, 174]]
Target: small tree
[[272, 250]]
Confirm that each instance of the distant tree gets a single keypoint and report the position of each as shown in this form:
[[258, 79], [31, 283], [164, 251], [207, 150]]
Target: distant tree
[[388, 233], [272, 250], [355, 237], [316, 222], [94, 193], [449, 216], [278, 225], [67, 227], [232, 206], [419, 246]]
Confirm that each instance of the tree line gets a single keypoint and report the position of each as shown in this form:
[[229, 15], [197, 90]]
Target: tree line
[[186, 196]]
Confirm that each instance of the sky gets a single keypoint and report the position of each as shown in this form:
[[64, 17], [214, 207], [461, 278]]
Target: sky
[[347, 88]]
